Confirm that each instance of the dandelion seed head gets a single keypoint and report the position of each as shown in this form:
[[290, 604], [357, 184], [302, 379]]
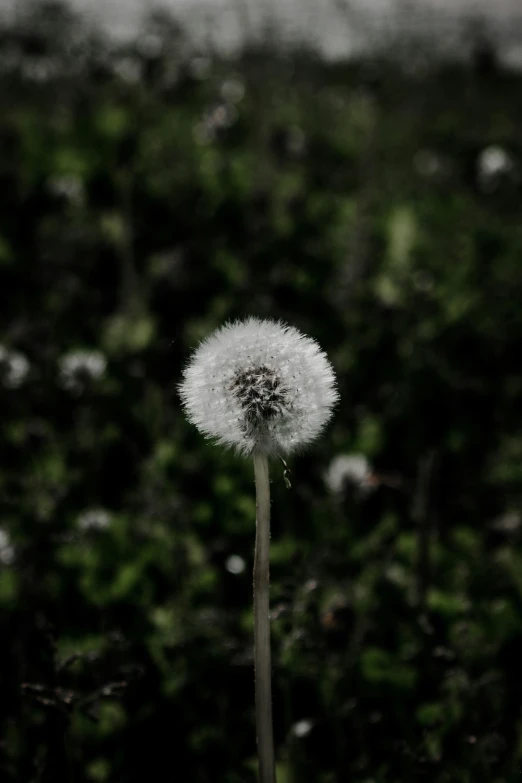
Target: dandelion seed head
[[259, 385]]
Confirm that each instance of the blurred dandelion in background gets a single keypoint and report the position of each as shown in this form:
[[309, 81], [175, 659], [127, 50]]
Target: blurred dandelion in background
[[235, 564], [493, 164], [14, 368], [79, 369], [349, 471], [68, 187], [302, 728], [7, 551], [232, 90], [94, 519]]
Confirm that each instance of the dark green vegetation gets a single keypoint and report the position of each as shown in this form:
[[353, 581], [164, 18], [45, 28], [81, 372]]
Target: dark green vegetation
[[146, 197]]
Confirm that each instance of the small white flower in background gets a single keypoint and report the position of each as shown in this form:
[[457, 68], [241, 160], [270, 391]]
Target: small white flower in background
[[200, 67], [94, 519], [508, 522], [14, 367], [40, 70], [235, 564], [216, 120], [296, 141], [427, 163], [128, 69], [232, 90], [68, 187], [397, 575], [302, 728], [79, 368], [150, 45], [493, 162], [259, 386], [349, 469], [7, 552], [310, 585]]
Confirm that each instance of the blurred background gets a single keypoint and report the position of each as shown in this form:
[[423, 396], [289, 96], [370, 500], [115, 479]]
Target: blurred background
[[356, 170]]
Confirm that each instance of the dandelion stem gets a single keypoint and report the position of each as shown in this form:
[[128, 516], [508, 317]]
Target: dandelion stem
[[265, 741]]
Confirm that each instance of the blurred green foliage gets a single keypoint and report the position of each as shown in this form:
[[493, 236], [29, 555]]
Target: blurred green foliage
[[147, 194]]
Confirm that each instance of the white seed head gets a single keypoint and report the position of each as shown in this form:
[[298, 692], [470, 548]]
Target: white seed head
[[353, 469], [259, 386]]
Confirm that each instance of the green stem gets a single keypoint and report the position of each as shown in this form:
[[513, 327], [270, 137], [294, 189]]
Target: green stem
[[265, 741]]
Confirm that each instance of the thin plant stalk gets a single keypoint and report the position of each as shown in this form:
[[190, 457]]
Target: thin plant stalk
[[421, 515], [262, 660]]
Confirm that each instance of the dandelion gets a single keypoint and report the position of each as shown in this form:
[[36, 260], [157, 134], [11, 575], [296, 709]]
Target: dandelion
[[259, 386], [264, 389]]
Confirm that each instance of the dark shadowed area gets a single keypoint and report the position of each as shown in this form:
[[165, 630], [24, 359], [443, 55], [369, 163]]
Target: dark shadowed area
[[150, 190]]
